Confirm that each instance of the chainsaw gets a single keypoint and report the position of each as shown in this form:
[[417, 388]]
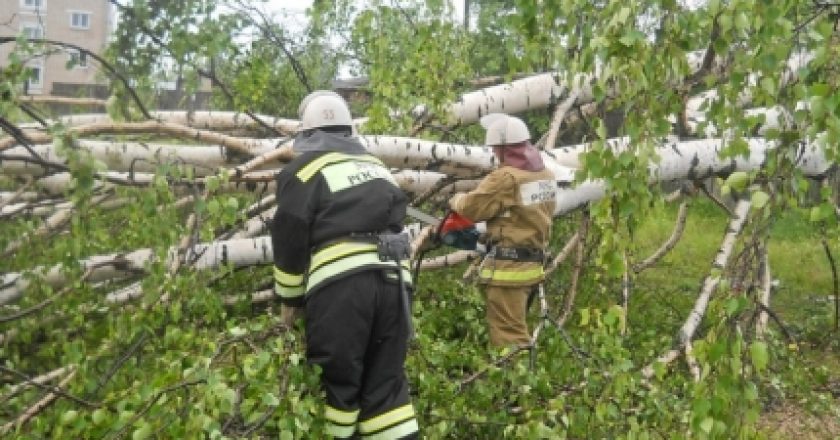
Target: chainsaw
[[453, 230]]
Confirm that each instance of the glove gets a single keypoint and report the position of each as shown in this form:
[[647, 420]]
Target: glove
[[289, 314]]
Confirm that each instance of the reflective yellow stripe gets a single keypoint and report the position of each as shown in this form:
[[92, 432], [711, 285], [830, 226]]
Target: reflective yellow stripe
[[313, 167], [287, 279], [338, 251], [390, 418], [512, 275], [341, 265], [398, 431], [341, 417], [288, 292], [339, 431]]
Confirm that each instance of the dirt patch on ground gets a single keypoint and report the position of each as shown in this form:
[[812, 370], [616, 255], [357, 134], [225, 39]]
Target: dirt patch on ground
[[793, 422]]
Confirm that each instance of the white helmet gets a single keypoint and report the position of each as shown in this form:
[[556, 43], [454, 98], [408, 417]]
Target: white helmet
[[504, 130], [323, 108]]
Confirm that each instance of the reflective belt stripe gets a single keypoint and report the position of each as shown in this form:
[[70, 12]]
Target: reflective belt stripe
[[347, 263], [338, 251], [340, 431], [288, 292], [398, 431], [341, 417], [287, 279], [512, 275], [345, 249], [313, 167], [388, 419]]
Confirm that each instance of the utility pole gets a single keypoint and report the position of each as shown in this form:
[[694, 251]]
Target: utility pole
[[467, 15]]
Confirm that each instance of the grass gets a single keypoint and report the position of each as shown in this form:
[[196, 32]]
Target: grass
[[803, 301]]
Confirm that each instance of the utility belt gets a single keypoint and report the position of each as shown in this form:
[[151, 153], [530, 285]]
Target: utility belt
[[517, 254], [389, 245], [358, 248]]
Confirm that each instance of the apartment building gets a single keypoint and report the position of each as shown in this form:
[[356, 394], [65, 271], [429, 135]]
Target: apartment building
[[85, 23]]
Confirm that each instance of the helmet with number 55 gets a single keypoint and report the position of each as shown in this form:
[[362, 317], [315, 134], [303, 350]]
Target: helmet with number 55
[[324, 108]]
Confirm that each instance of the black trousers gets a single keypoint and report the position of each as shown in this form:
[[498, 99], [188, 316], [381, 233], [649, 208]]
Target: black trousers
[[356, 333]]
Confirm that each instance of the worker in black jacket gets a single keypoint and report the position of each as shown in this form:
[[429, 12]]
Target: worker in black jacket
[[335, 203]]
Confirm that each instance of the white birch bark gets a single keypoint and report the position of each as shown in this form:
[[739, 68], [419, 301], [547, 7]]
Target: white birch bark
[[136, 156], [710, 283], [42, 379], [203, 120], [764, 294], [257, 225], [25, 196], [57, 184], [700, 158], [207, 120], [532, 93], [50, 224], [696, 106], [416, 182], [35, 209], [237, 252]]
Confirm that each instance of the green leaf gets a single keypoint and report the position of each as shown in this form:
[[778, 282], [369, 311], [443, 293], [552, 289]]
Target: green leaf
[[142, 432], [817, 106], [758, 355], [821, 212], [759, 199], [707, 424], [99, 416], [741, 21], [269, 399], [69, 416], [820, 89], [213, 207], [737, 180], [732, 306], [768, 85], [584, 317], [294, 358]]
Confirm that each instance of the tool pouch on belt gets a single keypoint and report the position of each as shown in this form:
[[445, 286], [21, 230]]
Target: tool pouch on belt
[[396, 247], [393, 247], [518, 254]]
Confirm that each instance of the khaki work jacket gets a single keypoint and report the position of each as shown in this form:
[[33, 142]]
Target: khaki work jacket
[[518, 207]]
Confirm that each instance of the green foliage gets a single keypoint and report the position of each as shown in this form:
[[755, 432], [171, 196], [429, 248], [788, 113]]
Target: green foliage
[[181, 362], [410, 42]]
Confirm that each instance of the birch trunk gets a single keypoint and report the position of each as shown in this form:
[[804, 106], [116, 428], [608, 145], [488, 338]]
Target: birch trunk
[[237, 252], [710, 283]]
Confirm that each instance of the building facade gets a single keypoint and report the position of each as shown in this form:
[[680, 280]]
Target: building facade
[[58, 71]]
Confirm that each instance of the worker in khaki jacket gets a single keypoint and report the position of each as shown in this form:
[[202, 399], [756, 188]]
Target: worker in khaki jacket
[[517, 201]]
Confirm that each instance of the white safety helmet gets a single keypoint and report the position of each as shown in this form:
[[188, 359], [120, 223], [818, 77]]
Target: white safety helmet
[[504, 130], [323, 108]]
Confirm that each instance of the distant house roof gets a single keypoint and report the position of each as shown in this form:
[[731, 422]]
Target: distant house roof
[[350, 83]]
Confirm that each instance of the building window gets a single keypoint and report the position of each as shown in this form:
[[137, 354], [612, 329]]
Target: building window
[[31, 30], [32, 4], [80, 20], [76, 58], [36, 77]]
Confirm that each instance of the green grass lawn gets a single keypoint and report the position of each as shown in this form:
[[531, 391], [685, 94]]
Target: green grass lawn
[[803, 301]]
